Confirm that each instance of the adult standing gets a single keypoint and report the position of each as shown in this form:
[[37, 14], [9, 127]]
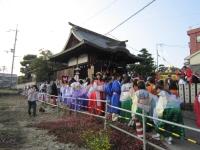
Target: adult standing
[[188, 73], [54, 92], [32, 98], [195, 78], [58, 85], [48, 89]]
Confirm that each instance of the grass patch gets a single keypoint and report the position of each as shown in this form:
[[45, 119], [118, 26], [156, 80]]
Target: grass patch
[[4, 92], [96, 140]]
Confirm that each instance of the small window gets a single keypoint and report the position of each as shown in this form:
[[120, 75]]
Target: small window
[[198, 39]]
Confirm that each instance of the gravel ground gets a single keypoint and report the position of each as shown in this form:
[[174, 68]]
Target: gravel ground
[[15, 130]]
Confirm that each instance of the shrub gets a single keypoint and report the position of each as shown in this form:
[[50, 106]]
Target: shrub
[[86, 131], [96, 140]]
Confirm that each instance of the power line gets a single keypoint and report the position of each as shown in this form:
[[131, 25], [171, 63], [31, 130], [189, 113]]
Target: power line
[[171, 45], [139, 50], [100, 11], [127, 20], [163, 58], [159, 44], [126, 44], [137, 12]]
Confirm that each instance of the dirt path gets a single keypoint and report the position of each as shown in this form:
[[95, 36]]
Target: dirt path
[[16, 133], [15, 130]]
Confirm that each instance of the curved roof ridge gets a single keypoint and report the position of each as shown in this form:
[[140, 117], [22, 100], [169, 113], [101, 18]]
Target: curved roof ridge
[[95, 33]]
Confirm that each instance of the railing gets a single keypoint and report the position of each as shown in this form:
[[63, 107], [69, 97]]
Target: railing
[[144, 140]]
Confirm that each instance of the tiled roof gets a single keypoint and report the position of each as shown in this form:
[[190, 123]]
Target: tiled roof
[[95, 38], [101, 42]]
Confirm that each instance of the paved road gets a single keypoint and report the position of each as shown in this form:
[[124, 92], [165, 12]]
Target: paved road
[[189, 120]]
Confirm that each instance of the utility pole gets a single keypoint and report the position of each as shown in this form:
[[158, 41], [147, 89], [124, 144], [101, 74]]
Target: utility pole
[[157, 54], [13, 58]]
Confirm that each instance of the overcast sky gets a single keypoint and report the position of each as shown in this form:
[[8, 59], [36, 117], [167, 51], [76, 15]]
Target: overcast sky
[[44, 24]]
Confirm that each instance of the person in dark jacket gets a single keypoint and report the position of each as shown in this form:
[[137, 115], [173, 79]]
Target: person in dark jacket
[[54, 92], [195, 78]]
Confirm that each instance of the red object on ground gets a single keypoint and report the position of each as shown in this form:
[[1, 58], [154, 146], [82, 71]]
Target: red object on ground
[[197, 110]]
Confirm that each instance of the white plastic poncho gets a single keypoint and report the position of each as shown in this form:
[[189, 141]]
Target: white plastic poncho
[[161, 104]]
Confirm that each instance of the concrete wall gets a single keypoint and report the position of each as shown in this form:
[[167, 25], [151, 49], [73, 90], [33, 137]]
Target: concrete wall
[[22, 86], [5, 80], [194, 60], [195, 68], [187, 93]]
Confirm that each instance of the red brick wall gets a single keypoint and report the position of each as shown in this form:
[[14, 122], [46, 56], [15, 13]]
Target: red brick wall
[[193, 44]]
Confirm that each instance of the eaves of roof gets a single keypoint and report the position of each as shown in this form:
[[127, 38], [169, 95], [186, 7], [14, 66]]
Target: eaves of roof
[[66, 51], [190, 56], [109, 50]]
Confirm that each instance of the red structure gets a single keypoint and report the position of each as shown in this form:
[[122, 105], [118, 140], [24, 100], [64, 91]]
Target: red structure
[[194, 43]]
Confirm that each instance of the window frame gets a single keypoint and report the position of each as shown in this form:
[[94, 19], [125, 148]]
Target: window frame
[[198, 39]]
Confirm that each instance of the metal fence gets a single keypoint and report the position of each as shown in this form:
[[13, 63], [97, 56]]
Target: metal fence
[[61, 105]]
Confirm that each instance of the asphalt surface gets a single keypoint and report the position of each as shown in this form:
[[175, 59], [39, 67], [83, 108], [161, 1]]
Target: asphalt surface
[[189, 120]]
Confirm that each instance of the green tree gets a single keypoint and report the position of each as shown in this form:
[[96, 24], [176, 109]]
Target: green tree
[[45, 54], [161, 67], [25, 69], [41, 67], [146, 66]]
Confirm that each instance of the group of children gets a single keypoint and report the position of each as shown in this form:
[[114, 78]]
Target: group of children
[[134, 95]]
